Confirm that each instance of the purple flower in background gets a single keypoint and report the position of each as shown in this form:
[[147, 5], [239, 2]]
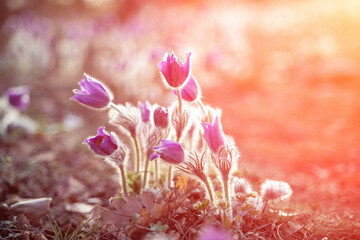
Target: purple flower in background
[[190, 91], [161, 117], [174, 71], [19, 97], [145, 111], [214, 135], [92, 93], [170, 151], [103, 143], [211, 232]]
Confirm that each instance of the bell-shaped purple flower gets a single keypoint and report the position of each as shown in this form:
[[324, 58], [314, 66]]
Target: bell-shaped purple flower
[[145, 111], [19, 97], [103, 143], [169, 151], [214, 135], [190, 90], [92, 93], [161, 118], [174, 71]]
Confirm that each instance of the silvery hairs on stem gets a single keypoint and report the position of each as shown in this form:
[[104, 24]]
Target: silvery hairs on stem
[[126, 117]]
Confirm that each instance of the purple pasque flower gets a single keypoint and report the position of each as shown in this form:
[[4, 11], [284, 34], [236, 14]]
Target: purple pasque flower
[[144, 111], [161, 118], [92, 93], [190, 91], [103, 143], [174, 71], [19, 97], [214, 135], [212, 232], [169, 151]]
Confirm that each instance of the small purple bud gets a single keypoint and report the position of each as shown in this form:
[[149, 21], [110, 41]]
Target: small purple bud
[[190, 91], [145, 111], [19, 97], [170, 151], [103, 143], [214, 135], [174, 71], [161, 117], [92, 93]]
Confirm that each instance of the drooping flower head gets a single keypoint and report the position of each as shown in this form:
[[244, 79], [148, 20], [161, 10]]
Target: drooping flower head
[[126, 116], [145, 111], [19, 97], [241, 185], [214, 135], [92, 93], [211, 232], [271, 190], [174, 71], [190, 91], [103, 143], [161, 118], [169, 151]]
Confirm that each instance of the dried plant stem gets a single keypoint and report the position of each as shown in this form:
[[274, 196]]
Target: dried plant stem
[[209, 188], [146, 171], [179, 99], [123, 178]]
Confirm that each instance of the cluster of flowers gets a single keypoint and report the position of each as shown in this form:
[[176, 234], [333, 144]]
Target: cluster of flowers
[[161, 133]]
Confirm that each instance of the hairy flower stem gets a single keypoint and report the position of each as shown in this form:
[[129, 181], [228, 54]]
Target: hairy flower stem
[[156, 172], [169, 176], [227, 196], [179, 99], [123, 178], [146, 171], [137, 148], [199, 102], [209, 188]]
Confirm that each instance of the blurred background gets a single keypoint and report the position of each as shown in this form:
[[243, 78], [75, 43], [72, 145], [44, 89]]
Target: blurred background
[[285, 73]]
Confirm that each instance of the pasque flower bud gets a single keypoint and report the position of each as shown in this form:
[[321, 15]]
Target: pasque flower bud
[[92, 93], [174, 71], [169, 151], [103, 143]]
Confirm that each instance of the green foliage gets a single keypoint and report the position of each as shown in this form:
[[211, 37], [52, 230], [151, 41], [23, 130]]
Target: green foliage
[[77, 234], [134, 182]]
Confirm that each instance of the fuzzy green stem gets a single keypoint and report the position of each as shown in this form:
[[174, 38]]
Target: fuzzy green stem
[[123, 178], [169, 176], [179, 99], [156, 172], [209, 188], [146, 171]]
